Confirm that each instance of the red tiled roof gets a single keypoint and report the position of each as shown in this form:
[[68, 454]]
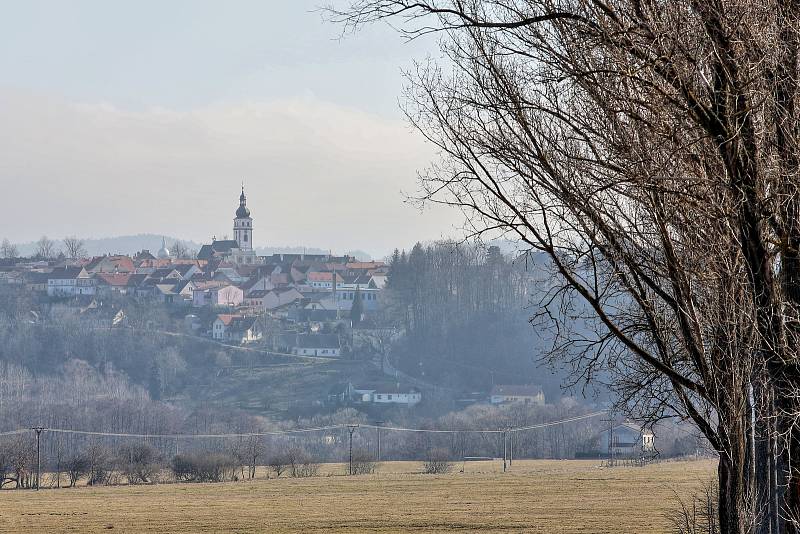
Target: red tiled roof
[[114, 279], [323, 277], [226, 318]]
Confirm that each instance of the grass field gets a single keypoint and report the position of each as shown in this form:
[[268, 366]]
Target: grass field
[[534, 496]]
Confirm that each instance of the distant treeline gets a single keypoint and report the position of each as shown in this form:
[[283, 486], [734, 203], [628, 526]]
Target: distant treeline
[[466, 314]]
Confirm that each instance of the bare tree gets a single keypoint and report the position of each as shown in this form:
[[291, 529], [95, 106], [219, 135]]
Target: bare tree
[[77, 467], [8, 249], [74, 248], [253, 448], [180, 250], [697, 515], [650, 152], [278, 463], [139, 463], [99, 460], [45, 248]]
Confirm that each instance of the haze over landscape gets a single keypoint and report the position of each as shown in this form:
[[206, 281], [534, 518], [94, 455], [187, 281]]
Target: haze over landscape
[[400, 266], [149, 125]]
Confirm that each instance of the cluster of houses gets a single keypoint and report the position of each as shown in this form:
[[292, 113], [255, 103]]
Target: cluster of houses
[[230, 294], [227, 291]]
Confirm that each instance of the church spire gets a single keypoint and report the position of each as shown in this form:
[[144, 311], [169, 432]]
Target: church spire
[[243, 225], [242, 212]]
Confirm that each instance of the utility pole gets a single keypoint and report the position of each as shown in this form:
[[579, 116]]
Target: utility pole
[[38, 430], [610, 422], [510, 447], [504, 451], [378, 424], [351, 429]]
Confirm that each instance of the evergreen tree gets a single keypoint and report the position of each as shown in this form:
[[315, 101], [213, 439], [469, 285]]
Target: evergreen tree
[[358, 308], [155, 384]]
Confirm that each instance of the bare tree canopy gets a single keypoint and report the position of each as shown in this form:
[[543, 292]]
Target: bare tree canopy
[[179, 250], [8, 249], [650, 150], [74, 248], [45, 248]]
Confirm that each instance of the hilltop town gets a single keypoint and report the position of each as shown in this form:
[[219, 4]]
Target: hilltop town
[[293, 304]]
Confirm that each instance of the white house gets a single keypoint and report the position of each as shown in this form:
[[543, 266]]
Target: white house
[[323, 280], [227, 295], [220, 326], [382, 394], [236, 329], [201, 293], [317, 345], [219, 295], [396, 395], [628, 440], [522, 394], [70, 281]]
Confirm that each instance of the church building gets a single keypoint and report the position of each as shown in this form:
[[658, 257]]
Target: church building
[[240, 248]]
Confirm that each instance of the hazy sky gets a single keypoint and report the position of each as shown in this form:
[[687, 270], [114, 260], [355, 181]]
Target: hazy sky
[[145, 116]]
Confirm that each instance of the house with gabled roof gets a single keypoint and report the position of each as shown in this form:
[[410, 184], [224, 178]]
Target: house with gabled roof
[[70, 281], [327, 345], [236, 329], [622, 441], [36, 280], [185, 290], [258, 282], [226, 295], [281, 297], [110, 264], [113, 283], [220, 326], [323, 280], [526, 394]]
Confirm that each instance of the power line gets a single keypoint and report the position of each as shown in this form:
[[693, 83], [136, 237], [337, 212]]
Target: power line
[[306, 430], [14, 432], [561, 422], [193, 436]]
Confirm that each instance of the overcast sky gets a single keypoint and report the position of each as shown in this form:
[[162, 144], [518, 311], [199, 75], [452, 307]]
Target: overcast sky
[[145, 117]]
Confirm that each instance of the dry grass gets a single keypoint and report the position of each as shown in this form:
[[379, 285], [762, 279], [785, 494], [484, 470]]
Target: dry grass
[[535, 496]]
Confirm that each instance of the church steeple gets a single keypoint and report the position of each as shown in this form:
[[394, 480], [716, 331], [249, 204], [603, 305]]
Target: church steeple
[[242, 212], [243, 225], [163, 252]]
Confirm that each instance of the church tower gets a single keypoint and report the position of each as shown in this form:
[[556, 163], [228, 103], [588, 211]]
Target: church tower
[[243, 225]]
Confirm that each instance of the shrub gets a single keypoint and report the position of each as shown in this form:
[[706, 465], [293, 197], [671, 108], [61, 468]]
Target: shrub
[[203, 467], [437, 462], [301, 464], [139, 463], [278, 463], [363, 462]]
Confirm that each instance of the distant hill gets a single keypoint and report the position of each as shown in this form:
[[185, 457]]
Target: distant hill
[[130, 244]]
